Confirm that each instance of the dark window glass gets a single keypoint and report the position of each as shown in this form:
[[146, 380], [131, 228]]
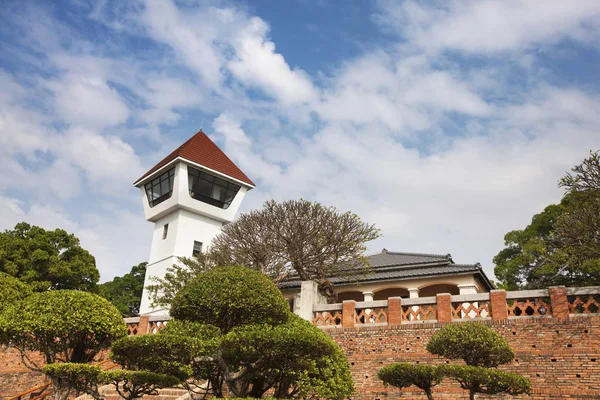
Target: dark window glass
[[160, 188], [197, 249], [210, 189], [165, 231]]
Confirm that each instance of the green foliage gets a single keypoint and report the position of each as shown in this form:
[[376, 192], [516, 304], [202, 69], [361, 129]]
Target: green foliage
[[64, 325], [486, 380], [125, 292], [47, 259], [192, 329], [12, 290], [165, 354], [474, 343], [403, 375], [163, 291], [251, 342], [295, 358], [230, 296], [561, 246], [134, 384], [68, 377]]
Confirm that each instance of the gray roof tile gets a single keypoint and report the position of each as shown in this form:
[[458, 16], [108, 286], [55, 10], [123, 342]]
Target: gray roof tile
[[389, 265]]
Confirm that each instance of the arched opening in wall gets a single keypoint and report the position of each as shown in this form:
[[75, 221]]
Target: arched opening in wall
[[351, 295], [432, 290], [385, 294]]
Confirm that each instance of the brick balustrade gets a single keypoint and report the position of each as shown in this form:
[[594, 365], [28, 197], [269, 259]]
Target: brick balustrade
[[498, 305]]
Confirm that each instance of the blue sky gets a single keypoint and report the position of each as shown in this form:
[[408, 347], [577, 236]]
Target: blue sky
[[445, 123]]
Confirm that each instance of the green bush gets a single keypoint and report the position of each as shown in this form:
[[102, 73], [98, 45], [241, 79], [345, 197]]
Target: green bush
[[134, 384], [66, 377], [475, 343], [295, 357], [165, 354], [191, 329], [12, 290], [230, 296], [486, 380], [402, 375], [64, 325]]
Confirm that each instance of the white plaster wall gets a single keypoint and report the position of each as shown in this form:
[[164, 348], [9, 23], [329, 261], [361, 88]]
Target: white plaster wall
[[189, 220], [404, 284], [185, 227]]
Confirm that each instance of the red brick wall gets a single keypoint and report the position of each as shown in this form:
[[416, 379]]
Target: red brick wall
[[14, 376], [562, 358]]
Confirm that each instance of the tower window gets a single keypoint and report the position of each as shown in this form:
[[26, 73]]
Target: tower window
[[197, 249], [165, 231], [160, 188], [210, 189]]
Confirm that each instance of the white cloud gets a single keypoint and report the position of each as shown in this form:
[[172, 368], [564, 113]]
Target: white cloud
[[109, 163], [89, 102], [492, 26], [258, 65]]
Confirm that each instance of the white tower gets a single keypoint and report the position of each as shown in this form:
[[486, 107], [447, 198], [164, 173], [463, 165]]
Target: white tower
[[189, 195]]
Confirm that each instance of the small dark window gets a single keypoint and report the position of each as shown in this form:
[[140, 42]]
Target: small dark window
[[210, 189], [165, 231], [160, 188], [197, 249]]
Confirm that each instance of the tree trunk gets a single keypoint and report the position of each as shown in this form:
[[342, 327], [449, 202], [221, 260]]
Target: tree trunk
[[429, 394], [471, 395]]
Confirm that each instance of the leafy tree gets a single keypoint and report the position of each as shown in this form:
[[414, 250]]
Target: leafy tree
[[12, 290], [486, 380], [69, 377], [292, 359], [475, 344], [163, 291], [47, 259], [230, 296], [151, 362], [63, 325], [165, 354], [402, 375], [260, 344], [315, 241], [482, 349], [561, 246], [132, 385], [125, 292]]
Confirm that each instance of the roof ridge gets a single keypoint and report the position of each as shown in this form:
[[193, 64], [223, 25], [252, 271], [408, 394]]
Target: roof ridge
[[200, 149], [404, 253]]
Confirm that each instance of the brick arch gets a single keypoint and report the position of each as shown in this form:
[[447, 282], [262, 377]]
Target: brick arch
[[385, 293], [350, 295], [436, 288]]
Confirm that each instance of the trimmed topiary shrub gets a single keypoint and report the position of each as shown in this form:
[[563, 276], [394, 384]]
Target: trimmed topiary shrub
[[66, 377], [403, 375], [134, 384], [486, 380], [474, 343], [230, 296], [64, 325], [165, 354]]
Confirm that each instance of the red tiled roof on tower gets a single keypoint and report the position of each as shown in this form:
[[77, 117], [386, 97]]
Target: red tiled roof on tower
[[201, 150]]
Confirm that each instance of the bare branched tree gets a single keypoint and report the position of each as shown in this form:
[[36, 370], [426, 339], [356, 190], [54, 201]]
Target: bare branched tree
[[314, 241], [585, 177]]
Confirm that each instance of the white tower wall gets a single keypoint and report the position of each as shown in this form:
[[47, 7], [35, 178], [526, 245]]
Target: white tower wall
[[188, 220]]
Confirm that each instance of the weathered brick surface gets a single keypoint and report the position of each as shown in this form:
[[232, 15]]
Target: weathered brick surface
[[562, 358], [14, 376]]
